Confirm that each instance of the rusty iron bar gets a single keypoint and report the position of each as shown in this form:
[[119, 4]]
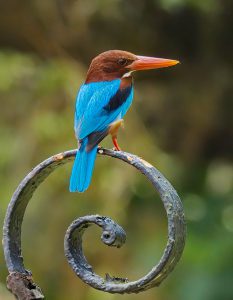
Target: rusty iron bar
[[19, 280]]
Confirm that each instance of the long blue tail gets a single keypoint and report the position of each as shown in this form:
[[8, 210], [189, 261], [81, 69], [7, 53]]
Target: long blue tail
[[83, 168]]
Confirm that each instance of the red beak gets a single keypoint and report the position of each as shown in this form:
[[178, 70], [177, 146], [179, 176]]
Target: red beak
[[147, 63]]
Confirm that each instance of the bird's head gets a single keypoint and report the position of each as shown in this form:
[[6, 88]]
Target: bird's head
[[115, 64]]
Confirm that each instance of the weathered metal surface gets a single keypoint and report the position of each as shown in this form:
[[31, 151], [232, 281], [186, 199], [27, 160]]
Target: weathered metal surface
[[113, 234], [23, 287]]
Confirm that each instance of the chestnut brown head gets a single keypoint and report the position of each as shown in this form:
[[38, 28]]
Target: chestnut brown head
[[115, 64]]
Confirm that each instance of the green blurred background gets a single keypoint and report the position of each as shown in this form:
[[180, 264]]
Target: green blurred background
[[181, 122]]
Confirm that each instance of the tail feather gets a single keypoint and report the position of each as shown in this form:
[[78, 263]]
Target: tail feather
[[83, 168]]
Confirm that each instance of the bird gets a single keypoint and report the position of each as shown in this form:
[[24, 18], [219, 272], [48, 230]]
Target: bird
[[101, 103]]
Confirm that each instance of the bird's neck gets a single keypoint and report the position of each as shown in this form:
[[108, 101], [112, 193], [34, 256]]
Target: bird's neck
[[124, 81], [96, 76]]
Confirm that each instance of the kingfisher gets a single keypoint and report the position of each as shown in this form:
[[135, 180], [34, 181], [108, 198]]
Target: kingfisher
[[101, 104]]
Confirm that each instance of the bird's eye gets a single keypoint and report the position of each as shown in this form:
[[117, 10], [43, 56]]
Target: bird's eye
[[122, 61]]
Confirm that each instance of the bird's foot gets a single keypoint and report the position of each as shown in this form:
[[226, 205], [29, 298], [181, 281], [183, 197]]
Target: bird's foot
[[113, 129], [115, 143]]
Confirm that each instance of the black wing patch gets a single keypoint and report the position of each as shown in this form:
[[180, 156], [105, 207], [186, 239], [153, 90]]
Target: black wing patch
[[118, 99], [95, 138]]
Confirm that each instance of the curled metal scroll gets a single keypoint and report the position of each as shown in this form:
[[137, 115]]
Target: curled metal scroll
[[20, 280]]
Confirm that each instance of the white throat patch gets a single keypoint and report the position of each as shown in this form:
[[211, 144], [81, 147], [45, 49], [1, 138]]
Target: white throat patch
[[128, 74]]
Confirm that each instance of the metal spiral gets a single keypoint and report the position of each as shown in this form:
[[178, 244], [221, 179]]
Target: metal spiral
[[20, 280]]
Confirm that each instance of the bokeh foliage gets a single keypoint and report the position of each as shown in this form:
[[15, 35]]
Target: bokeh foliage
[[181, 121]]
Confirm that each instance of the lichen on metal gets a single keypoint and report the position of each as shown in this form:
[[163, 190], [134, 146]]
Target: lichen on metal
[[20, 280]]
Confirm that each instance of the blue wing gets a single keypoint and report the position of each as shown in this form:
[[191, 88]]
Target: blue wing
[[92, 107]]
